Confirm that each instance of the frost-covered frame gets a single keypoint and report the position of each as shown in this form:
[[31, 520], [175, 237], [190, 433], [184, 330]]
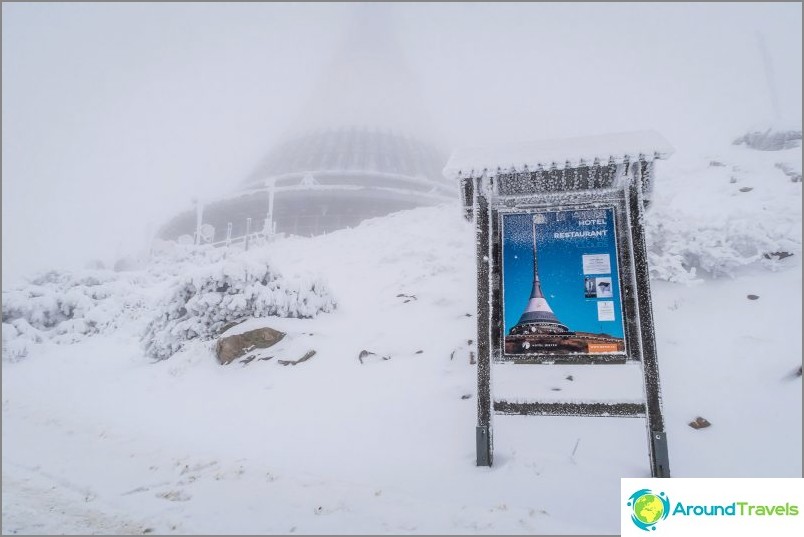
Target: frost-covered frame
[[563, 301], [611, 174], [620, 202]]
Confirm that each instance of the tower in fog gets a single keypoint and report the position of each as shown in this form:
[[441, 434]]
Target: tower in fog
[[361, 148]]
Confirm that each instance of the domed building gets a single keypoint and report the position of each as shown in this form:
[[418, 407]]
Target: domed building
[[359, 150], [324, 181]]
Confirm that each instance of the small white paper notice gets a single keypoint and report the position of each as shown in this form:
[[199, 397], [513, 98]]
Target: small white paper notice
[[596, 264], [605, 310]]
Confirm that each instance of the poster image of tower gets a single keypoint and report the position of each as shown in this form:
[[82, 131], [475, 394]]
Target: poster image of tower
[[561, 283]]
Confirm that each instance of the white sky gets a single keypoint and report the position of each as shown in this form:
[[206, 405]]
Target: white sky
[[114, 115]]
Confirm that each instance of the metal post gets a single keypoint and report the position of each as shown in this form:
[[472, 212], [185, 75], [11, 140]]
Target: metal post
[[248, 231], [270, 218], [199, 212], [228, 234], [483, 429], [657, 441]]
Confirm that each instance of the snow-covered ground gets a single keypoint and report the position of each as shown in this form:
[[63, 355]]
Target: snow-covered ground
[[100, 438]]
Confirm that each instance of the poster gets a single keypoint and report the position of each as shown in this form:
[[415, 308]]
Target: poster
[[561, 283]]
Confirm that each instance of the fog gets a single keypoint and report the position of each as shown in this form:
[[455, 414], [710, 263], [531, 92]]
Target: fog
[[116, 115]]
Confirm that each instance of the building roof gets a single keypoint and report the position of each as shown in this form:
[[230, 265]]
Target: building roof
[[558, 153], [351, 149]]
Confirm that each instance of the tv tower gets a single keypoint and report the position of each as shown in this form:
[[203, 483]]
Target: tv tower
[[538, 317]]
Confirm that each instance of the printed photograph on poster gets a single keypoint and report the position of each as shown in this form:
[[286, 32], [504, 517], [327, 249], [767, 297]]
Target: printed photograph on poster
[[603, 287], [590, 287], [548, 257]]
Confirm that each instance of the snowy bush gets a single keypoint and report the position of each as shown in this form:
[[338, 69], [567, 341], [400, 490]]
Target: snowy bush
[[709, 227], [771, 140], [677, 250], [66, 307], [201, 304], [16, 340], [170, 259]]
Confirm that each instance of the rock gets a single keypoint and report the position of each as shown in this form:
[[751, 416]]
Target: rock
[[746, 189], [309, 354], [466, 396], [251, 357], [569, 378], [368, 356], [777, 255], [752, 297], [699, 423], [230, 348]]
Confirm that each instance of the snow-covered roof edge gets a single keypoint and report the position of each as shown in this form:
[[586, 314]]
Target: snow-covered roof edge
[[559, 153]]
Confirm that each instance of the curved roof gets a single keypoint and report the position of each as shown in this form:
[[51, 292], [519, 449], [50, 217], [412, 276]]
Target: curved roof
[[352, 149]]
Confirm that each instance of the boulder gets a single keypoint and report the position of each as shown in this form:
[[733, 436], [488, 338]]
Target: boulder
[[699, 423], [230, 348]]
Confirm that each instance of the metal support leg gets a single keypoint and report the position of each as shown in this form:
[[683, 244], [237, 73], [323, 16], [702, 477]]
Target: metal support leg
[[661, 458], [657, 443], [483, 442], [484, 446]]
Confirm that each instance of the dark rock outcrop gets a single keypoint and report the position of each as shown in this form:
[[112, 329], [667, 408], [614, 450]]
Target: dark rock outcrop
[[230, 348]]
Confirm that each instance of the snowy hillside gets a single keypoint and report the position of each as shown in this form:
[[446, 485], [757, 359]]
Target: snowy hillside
[[375, 432]]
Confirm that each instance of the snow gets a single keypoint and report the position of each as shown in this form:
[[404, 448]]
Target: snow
[[558, 153], [100, 438], [716, 213]]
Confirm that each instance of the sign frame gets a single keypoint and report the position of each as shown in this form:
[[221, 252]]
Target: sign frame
[[493, 195]]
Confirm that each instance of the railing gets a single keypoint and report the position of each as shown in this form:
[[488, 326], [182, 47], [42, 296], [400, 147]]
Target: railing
[[248, 238]]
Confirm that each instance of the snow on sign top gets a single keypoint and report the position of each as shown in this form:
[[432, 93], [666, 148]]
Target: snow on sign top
[[546, 153]]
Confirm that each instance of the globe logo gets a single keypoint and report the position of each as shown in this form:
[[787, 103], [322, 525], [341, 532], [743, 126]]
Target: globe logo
[[648, 508]]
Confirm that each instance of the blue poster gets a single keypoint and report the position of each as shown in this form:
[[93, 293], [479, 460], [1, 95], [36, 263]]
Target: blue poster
[[561, 283]]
